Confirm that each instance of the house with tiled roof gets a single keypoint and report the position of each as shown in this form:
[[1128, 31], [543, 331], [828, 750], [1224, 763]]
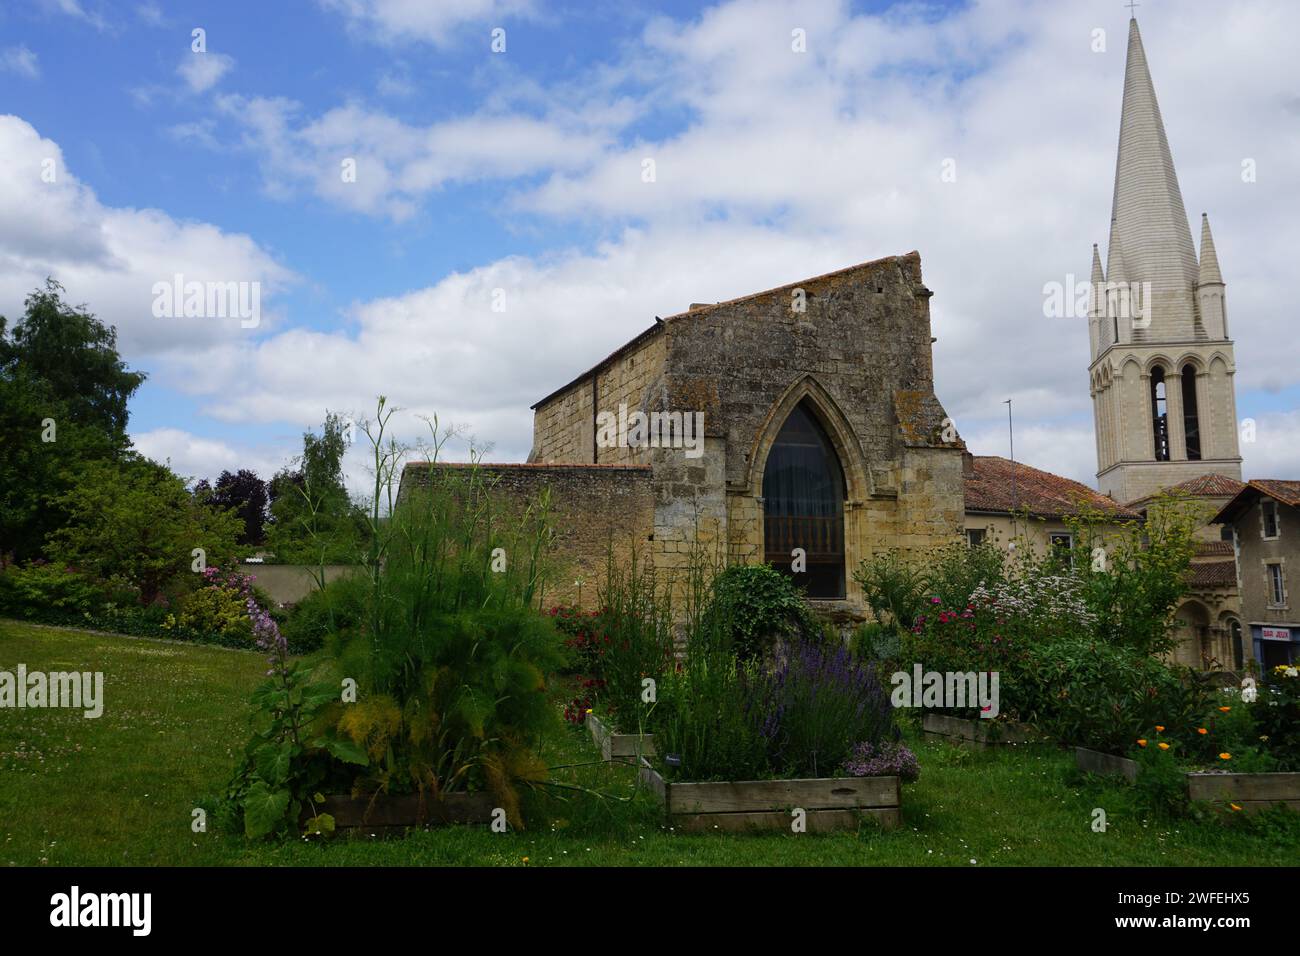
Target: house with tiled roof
[[1012, 505], [1263, 519]]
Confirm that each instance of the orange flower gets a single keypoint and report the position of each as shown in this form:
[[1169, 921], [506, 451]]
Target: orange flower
[[1234, 806], [1159, 727], [1224, 710], [1225, 756], [1201, 730], [1142, 742], [1163, 746]]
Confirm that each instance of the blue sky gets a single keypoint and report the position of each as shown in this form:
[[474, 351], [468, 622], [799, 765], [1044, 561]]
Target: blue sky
[[517, 171]]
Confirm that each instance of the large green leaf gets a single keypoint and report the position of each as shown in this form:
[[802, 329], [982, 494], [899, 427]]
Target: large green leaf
[[275, 761], [344, 750], [264, 810]]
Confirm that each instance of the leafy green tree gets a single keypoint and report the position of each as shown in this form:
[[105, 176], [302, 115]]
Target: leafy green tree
[[313, 519], [76, 354], [63, 401], [246, 494], [137, 522]]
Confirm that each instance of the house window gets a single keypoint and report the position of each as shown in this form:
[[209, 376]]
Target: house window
[[1269, 509], [1063, 546], [975, 536], [1191, 421], [1276, 586], [1225, 533], [803, 505], [1159, 414]]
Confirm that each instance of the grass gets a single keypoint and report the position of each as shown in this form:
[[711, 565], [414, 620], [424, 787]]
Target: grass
[[121, 790]]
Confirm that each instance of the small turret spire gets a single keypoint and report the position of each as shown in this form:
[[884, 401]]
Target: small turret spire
[[1209, 271]]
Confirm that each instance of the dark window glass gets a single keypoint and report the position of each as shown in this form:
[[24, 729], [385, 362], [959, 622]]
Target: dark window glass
[[1270, 518], [1191, 420], [803, 505], [1159, 414]]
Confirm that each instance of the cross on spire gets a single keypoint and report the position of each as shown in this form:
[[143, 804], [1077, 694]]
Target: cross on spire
[[1132, 5]]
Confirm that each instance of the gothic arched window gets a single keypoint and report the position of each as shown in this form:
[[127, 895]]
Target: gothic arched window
[[803, 505], [1159, 413], [1191, 420]]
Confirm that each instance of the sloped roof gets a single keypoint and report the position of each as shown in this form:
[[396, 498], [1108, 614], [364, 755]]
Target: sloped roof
[[1213, 574], [1202, 486], [989, 487], [1208, 548], [1284, 490]]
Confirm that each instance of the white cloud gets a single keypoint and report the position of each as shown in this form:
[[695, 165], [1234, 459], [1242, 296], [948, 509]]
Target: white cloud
[[112, 257], [392, 165], [1275, 451], [202, 71], [393, 20], [20, 60], [77, 10], [788, 165], [195, 457]]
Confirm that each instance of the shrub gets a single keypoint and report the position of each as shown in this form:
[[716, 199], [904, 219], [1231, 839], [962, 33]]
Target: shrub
[[1161, 781], [754, 606], [814, 705], [1278, 715], [338, 610], [582, 641], [35, 589], [219, 608], [449, 661], [1102, 696], [894, 590]]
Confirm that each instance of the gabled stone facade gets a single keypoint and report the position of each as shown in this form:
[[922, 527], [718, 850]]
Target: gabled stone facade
[[852, 347]]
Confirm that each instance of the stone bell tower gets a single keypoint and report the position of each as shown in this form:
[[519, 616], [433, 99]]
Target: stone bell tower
[[1162, 368]]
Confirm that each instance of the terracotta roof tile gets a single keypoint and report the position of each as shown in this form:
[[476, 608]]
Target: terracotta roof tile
[[1206, 548], [1287, 492], [1202, 486], [1213, 574], [989, 488]]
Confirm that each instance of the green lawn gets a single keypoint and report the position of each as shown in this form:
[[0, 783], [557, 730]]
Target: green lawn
[[121, 789]]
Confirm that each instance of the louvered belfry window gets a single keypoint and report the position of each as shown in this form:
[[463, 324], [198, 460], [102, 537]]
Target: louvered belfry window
[[803, 504]]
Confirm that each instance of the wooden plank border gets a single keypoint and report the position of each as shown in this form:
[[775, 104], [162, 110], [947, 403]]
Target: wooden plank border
[[394, 813], [1250, 791], [1106, 765], [975, 734], [831, 803], [615, 746]]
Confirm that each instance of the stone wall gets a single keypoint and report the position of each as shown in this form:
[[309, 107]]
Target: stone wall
[[855, 345], [593, 508]]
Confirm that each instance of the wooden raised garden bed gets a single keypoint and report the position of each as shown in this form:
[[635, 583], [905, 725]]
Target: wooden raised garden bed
[[975, 734], [1105, 765], [831, 803], [1250, 791], [614, 746], [392, 814]]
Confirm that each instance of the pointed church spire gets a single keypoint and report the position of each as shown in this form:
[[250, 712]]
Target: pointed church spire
[[1098, 277], [1209, 272], [1147, 212], [1115, 271]]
